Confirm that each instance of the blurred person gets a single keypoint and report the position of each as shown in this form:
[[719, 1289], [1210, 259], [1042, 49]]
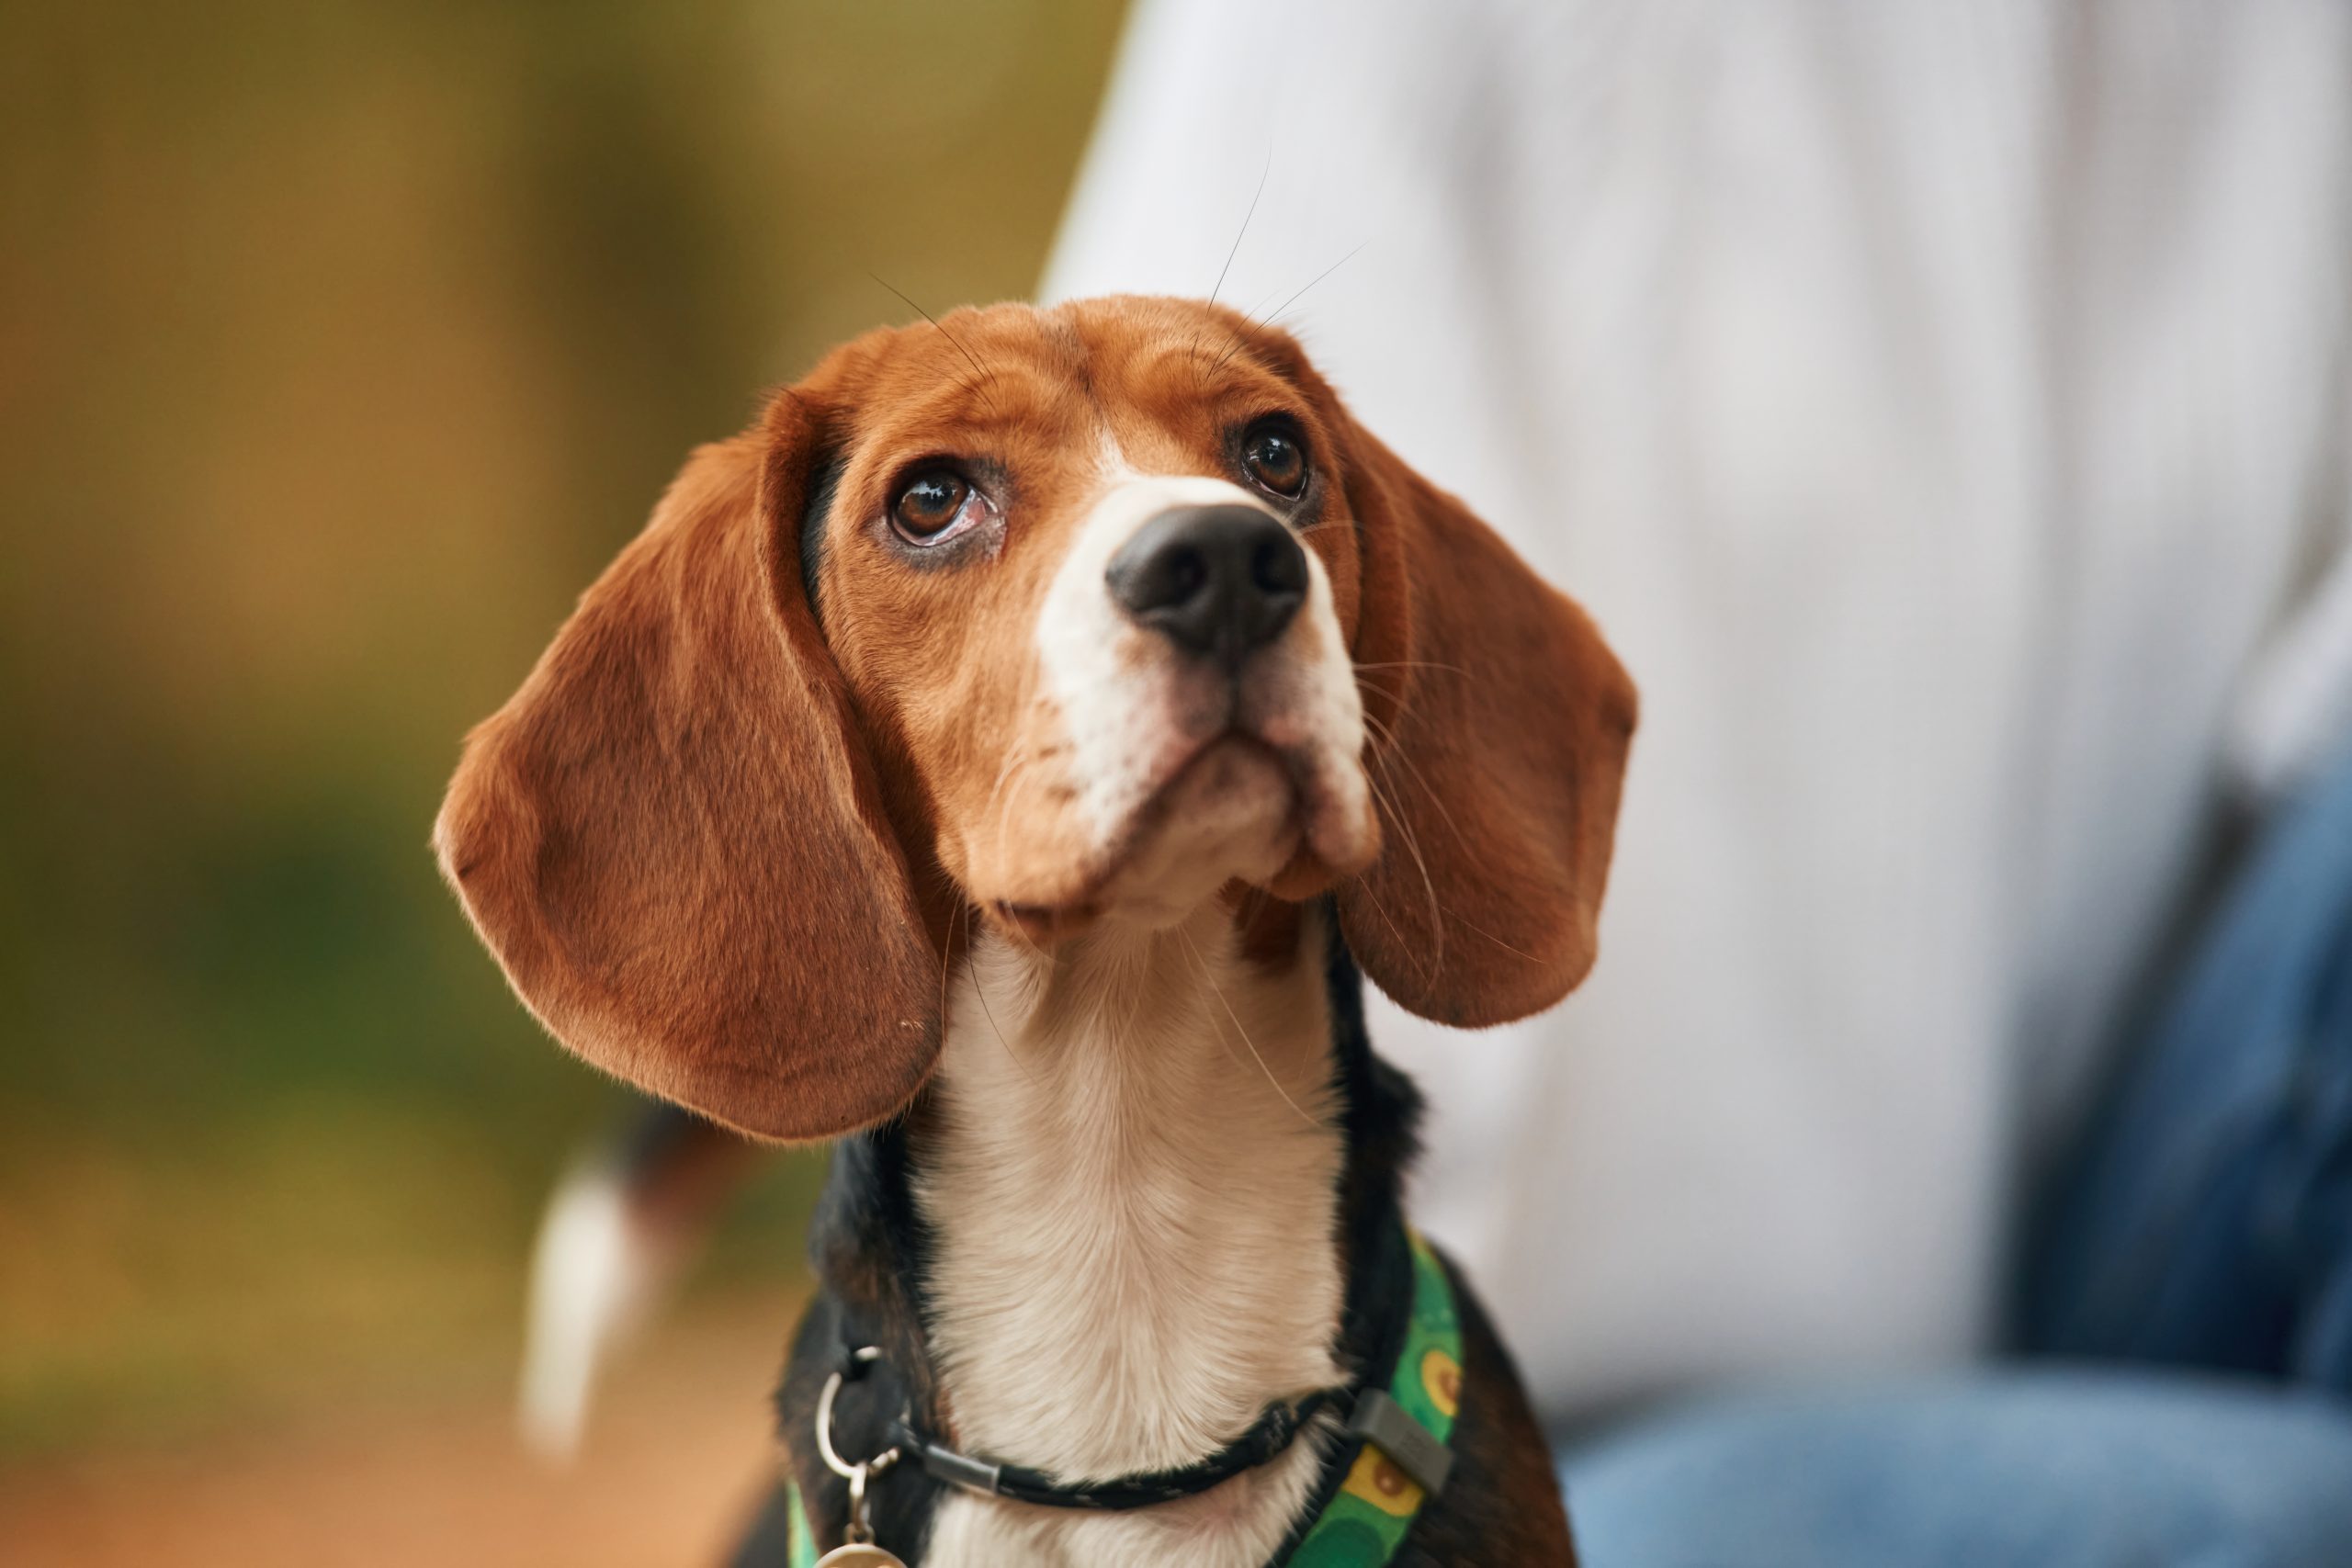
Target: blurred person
[[1944, 408]]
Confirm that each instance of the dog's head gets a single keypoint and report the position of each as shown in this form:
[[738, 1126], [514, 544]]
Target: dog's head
[[1048, 618]]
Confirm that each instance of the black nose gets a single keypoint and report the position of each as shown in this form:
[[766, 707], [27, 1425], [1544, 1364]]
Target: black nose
[[1220, 580]]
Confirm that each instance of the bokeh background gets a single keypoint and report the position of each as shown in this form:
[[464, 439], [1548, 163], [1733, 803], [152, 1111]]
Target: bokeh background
[[341, 342]]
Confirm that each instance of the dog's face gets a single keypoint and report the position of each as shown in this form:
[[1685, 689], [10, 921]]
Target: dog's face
[[1049, 618], [1097, 584]]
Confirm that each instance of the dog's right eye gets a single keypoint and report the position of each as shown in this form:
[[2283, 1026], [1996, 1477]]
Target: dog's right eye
[[1275, 461], [929, 505]]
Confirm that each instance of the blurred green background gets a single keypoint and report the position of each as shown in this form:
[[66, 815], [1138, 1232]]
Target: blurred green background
[[341, 342]]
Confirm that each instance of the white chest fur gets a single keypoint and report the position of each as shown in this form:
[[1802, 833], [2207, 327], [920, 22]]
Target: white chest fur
[[1136, 1236]]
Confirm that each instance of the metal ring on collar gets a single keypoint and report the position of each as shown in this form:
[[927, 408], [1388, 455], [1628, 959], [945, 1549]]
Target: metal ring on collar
[[857, 1471]]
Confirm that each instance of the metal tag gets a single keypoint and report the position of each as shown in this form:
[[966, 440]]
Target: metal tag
[[858, 1554]]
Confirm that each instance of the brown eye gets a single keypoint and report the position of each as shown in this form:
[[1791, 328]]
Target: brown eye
[[929, 502], [1276, 460]]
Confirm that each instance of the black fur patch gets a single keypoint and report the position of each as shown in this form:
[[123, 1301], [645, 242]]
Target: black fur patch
[[872, 1250], [824, 482]]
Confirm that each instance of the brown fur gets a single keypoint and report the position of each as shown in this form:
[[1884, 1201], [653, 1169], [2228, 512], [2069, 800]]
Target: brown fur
[[725, 855], [727, 842], [673, 841]]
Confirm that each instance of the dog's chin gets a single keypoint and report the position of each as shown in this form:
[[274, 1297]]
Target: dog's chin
[[1233, 813]]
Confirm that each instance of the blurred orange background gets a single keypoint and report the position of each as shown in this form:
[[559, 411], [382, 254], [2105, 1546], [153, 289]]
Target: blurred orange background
[[341, 342]]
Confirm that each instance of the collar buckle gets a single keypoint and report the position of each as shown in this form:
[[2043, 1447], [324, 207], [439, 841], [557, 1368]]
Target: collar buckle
[[1412, 1448]]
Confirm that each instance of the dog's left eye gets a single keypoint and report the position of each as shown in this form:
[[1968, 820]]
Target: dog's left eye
[[1276, 460], [929, 505]]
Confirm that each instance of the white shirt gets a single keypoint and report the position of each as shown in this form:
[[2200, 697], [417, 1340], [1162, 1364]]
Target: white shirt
[[1940, 406]]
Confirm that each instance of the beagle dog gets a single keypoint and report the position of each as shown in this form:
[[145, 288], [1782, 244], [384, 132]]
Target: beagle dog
[[1004, 759]]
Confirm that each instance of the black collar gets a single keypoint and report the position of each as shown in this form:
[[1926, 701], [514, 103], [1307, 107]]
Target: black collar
[[1269, 1436]]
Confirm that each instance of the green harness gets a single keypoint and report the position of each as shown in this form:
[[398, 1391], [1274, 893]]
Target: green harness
[[1397, 1435]]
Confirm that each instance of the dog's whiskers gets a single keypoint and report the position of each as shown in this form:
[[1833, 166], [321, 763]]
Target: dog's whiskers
[[1000, 802], [1363, 886], [1268, 321], [1391, 749], [978, 389], [1237, 238], [1412, 844], [1393, 752], [1206, 975], [1239, 235], [947, 953], [981, 990], [1481, 930]]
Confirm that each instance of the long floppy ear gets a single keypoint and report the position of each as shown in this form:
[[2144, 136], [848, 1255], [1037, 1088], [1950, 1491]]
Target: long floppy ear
[[1501, 723], [671, 837]]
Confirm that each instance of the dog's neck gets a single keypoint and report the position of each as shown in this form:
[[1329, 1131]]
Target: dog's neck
[[1134, 1180], [1152, 1191]]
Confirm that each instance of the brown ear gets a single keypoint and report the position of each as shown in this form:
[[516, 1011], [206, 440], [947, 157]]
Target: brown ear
[[1501, 724], [671, 837]]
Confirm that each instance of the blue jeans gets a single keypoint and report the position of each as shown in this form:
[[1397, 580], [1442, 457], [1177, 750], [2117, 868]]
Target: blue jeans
[[2198, 1254], [1998, 1471]]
